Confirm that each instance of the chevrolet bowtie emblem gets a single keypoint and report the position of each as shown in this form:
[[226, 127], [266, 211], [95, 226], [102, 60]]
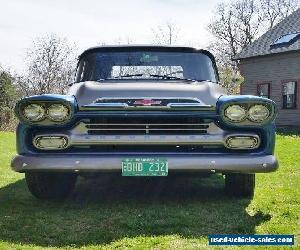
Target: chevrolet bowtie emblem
[[146, 102]]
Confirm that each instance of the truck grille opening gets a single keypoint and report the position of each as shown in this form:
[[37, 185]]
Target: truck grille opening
[[149, 126]]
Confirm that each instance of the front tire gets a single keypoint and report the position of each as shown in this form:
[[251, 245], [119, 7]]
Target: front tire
[[50, 186], [241, 185]]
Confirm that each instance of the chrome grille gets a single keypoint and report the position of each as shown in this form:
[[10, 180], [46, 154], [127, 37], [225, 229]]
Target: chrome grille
[[148, 127]]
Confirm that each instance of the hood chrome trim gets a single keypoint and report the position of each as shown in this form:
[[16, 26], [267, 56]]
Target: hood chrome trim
[[106, 105], [97, 105], [148, 97], [187, 105]]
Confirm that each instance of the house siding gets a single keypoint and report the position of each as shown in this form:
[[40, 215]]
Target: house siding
[[274, 69]]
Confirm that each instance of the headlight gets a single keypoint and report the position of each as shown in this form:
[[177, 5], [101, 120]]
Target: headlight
[[235, 113], [58, 112], [258, 113], [34, 112]]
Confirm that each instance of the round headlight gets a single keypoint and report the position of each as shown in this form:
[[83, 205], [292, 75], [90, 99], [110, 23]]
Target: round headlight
[[258, 113], [235, 113], [58, 112], [34, 112]]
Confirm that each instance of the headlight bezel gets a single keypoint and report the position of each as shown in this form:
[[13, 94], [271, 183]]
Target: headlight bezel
[[247, 102], [46, 119]]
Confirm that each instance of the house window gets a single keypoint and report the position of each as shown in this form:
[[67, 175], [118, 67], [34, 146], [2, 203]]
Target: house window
[[263, 90], [286, 39], [289, 91]]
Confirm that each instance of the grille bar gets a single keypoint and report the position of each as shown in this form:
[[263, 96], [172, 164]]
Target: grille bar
[[146, 128], [154, 129], [145, 124], [200, 139]]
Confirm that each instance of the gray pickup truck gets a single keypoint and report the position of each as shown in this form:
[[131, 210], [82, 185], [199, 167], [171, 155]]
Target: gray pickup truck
[[144, 111]]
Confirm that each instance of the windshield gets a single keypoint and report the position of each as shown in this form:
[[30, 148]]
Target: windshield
[[145, 65]]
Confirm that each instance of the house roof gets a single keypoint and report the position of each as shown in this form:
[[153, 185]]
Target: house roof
[[263, 45]]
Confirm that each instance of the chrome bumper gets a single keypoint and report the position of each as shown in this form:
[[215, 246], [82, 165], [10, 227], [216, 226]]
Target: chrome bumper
[[112, 163]]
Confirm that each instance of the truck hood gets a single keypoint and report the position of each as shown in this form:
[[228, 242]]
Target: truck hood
[[88, 92]]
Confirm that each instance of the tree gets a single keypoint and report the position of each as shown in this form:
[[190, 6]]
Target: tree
[[166, 34], [50, 66], [8, 96], [231, 80], [275, 10], [238, 23]]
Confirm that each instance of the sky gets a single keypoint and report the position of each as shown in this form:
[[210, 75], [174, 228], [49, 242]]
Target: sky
[[90, 23]]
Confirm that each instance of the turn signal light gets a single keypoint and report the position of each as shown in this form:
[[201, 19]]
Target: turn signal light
[[242, 142], [50, 142]]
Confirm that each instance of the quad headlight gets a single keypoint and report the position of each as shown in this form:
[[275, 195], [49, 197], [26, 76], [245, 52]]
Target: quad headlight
[[258, 113], [255, 113], [58, 112], [235, 113], [34, 112]]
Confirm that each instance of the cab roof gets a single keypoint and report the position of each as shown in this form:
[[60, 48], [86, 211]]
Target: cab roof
[[156, 48]]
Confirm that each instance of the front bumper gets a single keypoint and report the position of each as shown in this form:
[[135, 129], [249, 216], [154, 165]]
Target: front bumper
[[112, 163]]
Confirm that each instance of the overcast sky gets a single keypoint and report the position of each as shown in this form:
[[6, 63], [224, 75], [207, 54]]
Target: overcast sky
[[91, 22]]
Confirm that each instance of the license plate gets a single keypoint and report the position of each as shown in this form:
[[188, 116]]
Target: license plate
[[144, 167]]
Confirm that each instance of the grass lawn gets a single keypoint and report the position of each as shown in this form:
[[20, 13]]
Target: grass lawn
[[141, 214]]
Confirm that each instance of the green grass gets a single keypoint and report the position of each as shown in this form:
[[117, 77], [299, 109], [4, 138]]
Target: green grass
[[110, 213]]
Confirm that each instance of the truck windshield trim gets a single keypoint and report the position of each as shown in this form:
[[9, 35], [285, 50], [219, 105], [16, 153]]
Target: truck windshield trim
[[146, 65]]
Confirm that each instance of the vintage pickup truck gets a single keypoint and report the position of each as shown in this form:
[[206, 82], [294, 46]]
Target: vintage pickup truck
[[144, 111]]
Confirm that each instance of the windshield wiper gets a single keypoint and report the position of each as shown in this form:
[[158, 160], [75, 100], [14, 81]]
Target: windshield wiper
[[117, 77], [128, 75], [168, 77]]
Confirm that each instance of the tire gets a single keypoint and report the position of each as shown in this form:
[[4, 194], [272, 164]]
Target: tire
[[241, 185], [50, 186]]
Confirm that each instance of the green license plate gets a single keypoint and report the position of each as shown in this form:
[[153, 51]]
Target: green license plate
[[144, 167]]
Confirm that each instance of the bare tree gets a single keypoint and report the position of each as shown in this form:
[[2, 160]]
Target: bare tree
[[166, 34], [273, 11], [238, 23], [50, 66], [235, 26]]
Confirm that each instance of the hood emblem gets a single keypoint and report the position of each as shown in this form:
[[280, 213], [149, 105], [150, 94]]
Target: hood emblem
[[146, 102]]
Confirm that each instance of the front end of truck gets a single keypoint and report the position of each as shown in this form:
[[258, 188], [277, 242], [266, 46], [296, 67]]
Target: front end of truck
[[143, 129]]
